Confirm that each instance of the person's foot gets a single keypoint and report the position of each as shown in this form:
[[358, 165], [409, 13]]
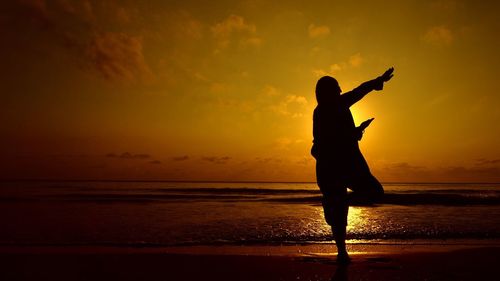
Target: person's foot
[[343, 258]]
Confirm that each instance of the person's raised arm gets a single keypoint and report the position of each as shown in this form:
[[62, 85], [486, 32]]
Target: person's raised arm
[[358, 93]]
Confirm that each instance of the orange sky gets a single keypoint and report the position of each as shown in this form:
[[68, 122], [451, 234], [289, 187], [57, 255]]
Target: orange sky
[[224, 90]]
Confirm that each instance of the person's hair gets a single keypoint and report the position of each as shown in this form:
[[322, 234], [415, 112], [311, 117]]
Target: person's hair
[[326, 87]]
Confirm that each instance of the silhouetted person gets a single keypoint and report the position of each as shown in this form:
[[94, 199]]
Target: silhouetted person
[[339, 162]]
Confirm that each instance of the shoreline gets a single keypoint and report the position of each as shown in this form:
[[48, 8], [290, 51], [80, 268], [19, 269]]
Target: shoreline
[[260, 249], [297, 262], [354, 245]]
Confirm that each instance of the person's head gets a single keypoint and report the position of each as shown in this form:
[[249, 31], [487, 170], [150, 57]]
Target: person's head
[[327, 89]]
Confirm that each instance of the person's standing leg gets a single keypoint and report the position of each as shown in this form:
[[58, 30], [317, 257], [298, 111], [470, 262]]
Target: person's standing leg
[[336, 209], [339, 231], [335, 205], [339, 226]]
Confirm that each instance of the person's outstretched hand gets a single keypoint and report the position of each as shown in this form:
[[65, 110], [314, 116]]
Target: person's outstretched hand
[[387, 75], [379, 82]]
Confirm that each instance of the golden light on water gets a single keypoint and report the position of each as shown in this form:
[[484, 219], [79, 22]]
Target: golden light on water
[[355, 219]]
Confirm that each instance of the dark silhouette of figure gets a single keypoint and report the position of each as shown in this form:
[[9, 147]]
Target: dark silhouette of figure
[[339, 162], [341, 273]]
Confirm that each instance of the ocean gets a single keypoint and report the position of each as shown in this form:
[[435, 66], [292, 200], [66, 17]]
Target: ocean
[[159, 214]]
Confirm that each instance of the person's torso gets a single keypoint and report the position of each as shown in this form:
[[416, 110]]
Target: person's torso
[[334, 133]]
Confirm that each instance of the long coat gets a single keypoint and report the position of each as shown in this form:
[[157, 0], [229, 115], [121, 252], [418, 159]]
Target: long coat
[[336, 149]]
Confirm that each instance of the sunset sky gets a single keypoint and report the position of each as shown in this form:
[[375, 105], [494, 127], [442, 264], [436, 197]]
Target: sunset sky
[[224, 90]]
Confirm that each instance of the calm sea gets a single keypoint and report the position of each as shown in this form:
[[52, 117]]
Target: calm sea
[[172, 213]]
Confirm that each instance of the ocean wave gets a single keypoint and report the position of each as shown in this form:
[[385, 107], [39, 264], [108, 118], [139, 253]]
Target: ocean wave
[[409, 199], [456, 197], [422, 237]]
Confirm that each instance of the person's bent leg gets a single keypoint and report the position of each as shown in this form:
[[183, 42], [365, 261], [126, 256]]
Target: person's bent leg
[[366, 189]]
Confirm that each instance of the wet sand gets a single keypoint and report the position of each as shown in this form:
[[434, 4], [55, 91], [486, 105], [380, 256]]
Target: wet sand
[[311, 262]]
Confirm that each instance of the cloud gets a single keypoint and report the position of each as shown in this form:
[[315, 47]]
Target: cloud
[[283, 142], [48, 23], [118, 56], [438, 36], [264, 160], [333, 69], [183, 27], [87, 31], [235, 29], [305, 161], [127, 155], [181, 60], [437, 100], [270, 100], [403, 166], [216, 160], [270, 91], [483, 161], [403, 171], [482, 171], [286, 143], [155, 162], [318, 31], [476, 174], [354, 61], [180, 158], [292, 105]]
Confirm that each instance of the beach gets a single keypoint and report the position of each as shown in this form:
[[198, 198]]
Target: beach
[[243, 231], [298, 262]]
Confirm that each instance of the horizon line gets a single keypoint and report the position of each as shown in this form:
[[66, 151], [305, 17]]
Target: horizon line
[[225, 181]]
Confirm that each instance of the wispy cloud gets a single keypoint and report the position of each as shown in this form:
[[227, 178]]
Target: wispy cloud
[[286, 143], [77, 27], [483, 161], [264, 160], [180, 158], [438, 100], [477, 173], [403, 166], [483, 170], [318, 31], [216, 159], [438, 36], [127, 155], [354, 61], [118, 56], [291, 105], [305, 161], [234, 29]]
